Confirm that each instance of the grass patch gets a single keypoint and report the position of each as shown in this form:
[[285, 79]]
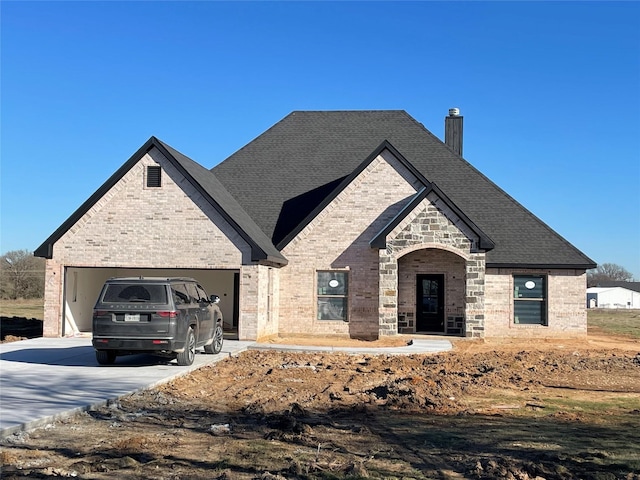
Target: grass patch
[[611, 404], [31, 308], [625, 323]]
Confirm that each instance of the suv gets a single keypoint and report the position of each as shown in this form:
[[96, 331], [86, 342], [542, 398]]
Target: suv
[[162, 316]]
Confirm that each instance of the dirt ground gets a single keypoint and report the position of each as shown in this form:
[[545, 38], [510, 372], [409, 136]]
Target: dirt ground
[[510, 409]]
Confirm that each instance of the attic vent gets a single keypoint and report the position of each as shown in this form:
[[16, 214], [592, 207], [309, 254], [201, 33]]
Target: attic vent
[[154, 178]]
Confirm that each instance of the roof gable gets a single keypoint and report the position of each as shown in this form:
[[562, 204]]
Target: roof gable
[[204, 182], [380, 240], [340, 184]]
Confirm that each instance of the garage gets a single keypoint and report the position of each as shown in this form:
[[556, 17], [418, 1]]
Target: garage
[[82, 286], [163, 215]]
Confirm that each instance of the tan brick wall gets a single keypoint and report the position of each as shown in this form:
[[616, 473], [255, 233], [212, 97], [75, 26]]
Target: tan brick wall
[[138, 227], [566, 310], [135, 226], [53, 299], [259, 287], [338, 238]]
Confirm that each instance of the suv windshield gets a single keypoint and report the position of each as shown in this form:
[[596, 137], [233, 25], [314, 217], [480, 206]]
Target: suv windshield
[[135, 293]]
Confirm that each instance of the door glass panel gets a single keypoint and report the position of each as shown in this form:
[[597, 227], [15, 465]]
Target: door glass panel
[[429, 296]]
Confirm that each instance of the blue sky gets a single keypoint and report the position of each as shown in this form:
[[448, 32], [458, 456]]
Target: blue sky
[[550, 93]]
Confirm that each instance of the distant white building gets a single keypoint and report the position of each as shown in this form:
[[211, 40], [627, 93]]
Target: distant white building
[[614, 296]]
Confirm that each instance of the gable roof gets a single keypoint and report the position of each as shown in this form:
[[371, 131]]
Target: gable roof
[[285, 174], [207, 185], [380, 240]]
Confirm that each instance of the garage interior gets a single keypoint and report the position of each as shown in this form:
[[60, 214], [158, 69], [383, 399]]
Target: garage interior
[[82, 286]]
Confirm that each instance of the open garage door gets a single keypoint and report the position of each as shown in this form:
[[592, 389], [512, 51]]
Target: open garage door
[[82, 286]]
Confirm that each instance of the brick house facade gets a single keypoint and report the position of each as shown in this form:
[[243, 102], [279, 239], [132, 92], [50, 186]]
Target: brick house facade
[[330, 223]]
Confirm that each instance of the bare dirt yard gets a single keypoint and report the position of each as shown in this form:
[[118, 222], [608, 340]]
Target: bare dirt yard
[[545, 409]]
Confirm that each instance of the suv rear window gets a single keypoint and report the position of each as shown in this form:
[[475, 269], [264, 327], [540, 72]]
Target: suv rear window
[[135, 293]]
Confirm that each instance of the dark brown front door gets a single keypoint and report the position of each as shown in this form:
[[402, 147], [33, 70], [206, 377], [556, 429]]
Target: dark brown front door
[[430, 303]]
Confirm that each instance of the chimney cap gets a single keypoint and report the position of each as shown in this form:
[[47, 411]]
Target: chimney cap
[[454, 112]]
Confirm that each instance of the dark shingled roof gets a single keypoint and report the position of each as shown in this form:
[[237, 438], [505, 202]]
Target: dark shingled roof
[[285, 173]]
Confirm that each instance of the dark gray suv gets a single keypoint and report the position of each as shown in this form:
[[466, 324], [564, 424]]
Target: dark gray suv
[[163, 316]]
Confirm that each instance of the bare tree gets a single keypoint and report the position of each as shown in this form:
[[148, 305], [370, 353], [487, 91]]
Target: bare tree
[[607, 272], [21, 275]]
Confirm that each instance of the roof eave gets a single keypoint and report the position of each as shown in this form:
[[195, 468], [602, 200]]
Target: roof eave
[[542, 266]]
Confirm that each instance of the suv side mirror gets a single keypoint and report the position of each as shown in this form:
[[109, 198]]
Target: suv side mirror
[[215, 299]]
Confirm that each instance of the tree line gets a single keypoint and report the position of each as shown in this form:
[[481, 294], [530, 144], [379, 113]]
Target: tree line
[[607, 272], [22, 275]]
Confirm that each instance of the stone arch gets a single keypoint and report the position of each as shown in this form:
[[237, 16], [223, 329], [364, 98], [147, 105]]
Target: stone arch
[[425, 246]]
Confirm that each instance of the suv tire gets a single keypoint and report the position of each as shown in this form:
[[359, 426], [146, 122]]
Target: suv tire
[[187, 356], [218, 338], [105, 357]]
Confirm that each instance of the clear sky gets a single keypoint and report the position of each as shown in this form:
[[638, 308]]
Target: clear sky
[[550, 94]]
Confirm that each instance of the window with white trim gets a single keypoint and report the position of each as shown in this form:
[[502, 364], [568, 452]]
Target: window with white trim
[[332, 294], [530, 299]]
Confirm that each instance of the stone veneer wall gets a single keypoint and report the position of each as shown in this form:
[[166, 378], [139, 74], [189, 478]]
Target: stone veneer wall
[[432, 225], [338, 239], [566, 304], [135, 226]]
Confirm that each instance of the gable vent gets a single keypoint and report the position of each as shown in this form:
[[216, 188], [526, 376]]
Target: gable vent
[[154, 176]]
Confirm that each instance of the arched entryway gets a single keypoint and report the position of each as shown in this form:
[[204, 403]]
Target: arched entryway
[[431, 292], [406, 285]]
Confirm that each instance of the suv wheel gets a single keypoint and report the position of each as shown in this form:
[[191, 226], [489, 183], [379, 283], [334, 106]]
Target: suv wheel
[[218, 338], [105, 357], [187, 356]]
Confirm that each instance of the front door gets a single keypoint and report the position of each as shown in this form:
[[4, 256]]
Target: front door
[[430, 304]]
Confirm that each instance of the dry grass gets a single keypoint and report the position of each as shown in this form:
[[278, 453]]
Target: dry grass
[[620, 322], [30, 308]]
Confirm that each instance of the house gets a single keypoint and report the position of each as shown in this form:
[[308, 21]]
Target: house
[[358, 223], [614, 295]]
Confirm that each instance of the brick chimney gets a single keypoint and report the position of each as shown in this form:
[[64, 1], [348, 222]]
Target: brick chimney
[[453, 130]]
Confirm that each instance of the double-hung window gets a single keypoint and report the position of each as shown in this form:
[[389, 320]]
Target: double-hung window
[[530, 299], [332, 295]]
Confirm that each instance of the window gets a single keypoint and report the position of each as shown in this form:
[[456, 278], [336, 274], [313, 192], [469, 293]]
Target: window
[[193, 292], [530, 299], [135, 293], [202, 294], [154, 177], [180, 294], [332, 296]]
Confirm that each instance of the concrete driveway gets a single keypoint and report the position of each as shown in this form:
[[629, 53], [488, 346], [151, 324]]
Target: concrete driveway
[[43, 379]]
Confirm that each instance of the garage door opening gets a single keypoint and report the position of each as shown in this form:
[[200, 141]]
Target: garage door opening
[[82, 286]]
